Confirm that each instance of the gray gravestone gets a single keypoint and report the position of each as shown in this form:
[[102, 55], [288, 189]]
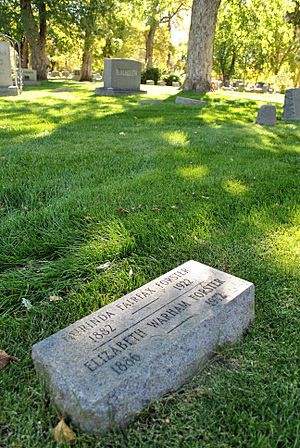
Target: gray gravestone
[[182, 100], [121, 77], [103, 369], [29, 77], [6, 84], [266, 115], [291, 109]]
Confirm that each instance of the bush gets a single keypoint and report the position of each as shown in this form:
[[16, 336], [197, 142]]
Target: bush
[[171, 78], [150, 73]]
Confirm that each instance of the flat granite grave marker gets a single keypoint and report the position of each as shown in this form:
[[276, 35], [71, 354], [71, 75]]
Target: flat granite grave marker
[[103, 369]]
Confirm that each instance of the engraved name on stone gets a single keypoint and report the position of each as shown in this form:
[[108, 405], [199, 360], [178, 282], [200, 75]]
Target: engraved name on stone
[[126, 72], [106, 367]]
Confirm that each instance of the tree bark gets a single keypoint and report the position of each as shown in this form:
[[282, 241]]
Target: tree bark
[[24, 52], [86, 65], [149, 43], [36, 36], [200, 47]]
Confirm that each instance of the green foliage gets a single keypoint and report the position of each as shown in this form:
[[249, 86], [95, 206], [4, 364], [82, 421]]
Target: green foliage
[[171, 77], [153, 73], [253, 37]]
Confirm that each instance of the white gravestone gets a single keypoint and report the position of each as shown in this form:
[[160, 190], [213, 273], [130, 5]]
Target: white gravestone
[[5, 65], [103, 369], [6, 87]]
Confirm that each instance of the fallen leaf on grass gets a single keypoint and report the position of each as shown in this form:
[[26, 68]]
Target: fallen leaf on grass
[[54, 298], [103, 266], [155, 209], [88, 218], [26, 303], [173, 206], [131, 272], [62, 433], [5, 358], [122, 210]]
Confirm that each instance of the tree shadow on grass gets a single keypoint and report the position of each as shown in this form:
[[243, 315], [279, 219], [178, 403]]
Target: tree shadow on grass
[[198, 184]]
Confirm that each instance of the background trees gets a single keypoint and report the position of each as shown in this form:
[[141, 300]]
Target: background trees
[[253, 39]]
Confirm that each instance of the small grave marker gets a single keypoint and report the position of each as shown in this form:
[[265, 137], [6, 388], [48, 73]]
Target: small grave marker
[[291, 109], [182, 100], [103, 369], [266, 115]]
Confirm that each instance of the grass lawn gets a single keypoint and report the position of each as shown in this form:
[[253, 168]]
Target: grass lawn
[[227, 193]]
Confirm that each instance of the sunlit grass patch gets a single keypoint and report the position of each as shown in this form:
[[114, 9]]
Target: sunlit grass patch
[[206, 184]]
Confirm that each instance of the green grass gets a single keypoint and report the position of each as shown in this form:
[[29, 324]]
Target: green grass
[[228, 193]]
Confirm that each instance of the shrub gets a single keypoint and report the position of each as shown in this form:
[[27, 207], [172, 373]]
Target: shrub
[[171, 78], [150, 73]]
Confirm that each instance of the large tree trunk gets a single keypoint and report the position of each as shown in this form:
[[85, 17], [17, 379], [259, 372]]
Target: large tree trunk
[[149, 44], [24, 52], [86, 65], [200, 48], [36, 37]]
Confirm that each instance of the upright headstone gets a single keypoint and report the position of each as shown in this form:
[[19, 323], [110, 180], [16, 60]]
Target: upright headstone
[[121, 77], [6, 83], [29, 77], [266, 115], [291, 109], [106, 367]]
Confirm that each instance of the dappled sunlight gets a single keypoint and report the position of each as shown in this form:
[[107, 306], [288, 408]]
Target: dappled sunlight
[[235, 187], [176, 138], [283, 248], [193, 172], [155, 120]]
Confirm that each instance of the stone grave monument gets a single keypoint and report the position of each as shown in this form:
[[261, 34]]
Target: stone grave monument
[[291, 109], [266, 115], [103, 369], [7, 88], [121, 77], [29, 77]]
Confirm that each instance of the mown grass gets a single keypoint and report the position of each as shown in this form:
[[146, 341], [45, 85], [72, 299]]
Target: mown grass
[[227, 194]]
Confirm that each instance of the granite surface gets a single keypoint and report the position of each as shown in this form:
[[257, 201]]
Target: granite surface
[[103, 369]]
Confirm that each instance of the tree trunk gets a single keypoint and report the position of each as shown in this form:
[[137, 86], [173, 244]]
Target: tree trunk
[[24, 52], [86, 65], [149, 44], [200, 48], [36, 37]]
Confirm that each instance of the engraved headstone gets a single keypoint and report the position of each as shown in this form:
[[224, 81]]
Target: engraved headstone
[[6, 83], [266, 115], [103, 369], [121, 77], [291, 109]]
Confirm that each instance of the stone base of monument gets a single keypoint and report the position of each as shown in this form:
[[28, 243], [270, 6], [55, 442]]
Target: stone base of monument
[[103, 369], [27, 82], [117, 92], [9, 91]]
